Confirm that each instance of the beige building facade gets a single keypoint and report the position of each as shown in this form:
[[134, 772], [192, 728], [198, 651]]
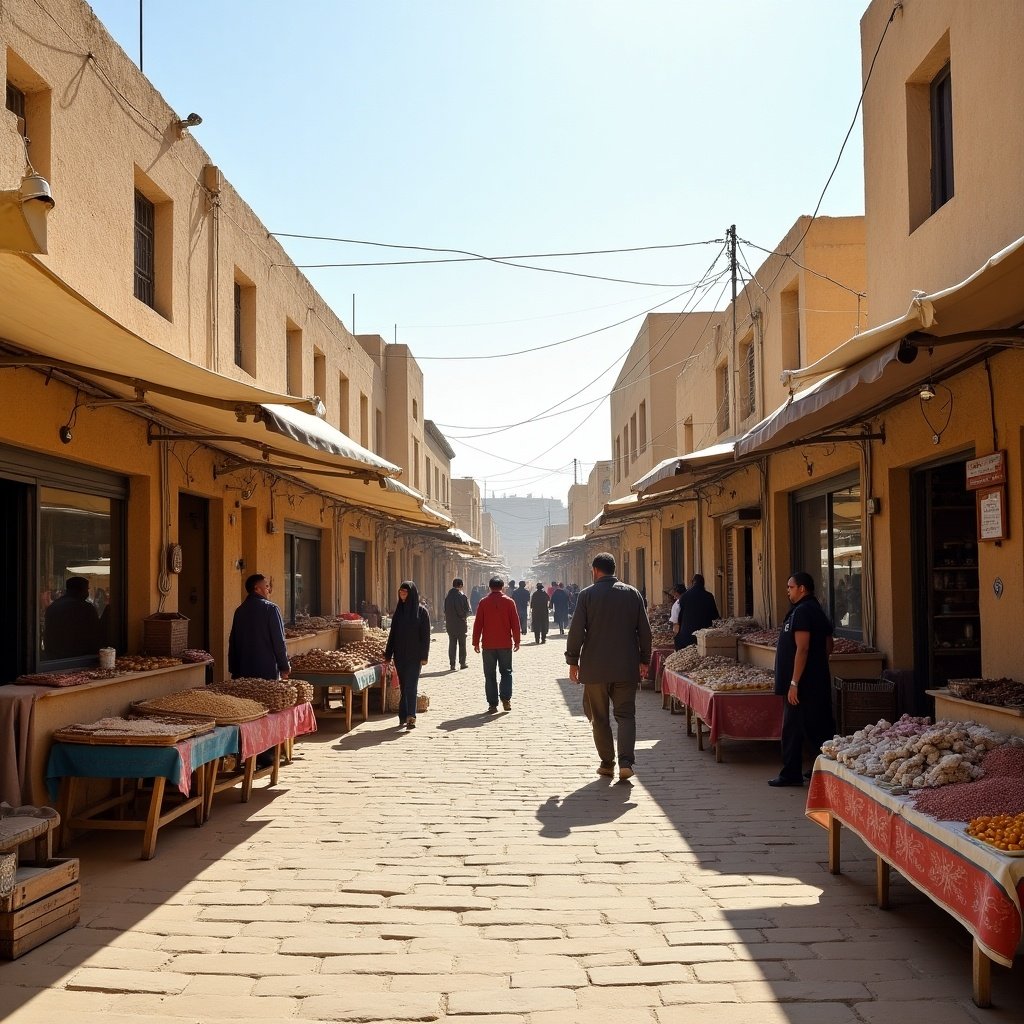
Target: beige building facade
[[180, 407]]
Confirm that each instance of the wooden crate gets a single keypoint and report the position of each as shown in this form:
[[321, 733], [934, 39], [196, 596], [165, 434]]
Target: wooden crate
[[351, 631], [35, 923], [34, 881]]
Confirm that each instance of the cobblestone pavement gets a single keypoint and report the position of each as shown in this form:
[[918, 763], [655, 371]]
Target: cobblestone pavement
[[476, 870]]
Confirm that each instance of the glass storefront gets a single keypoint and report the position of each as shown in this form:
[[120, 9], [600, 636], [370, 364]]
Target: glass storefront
[[301, 572], [828, 546]]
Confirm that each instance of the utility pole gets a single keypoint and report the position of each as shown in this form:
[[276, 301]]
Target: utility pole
[[574, 480], [730, 237]]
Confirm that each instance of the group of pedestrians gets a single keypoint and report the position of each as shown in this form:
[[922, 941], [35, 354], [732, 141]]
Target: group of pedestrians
[[608, 651]]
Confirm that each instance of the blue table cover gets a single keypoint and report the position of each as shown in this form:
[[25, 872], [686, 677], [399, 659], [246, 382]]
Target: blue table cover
[[359, 681], [123, 762]]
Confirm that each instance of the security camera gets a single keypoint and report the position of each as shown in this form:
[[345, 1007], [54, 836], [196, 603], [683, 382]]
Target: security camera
[[64, 434], [927, 392], [193, 119]]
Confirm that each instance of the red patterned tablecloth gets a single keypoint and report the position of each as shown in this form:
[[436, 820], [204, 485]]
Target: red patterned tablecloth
[[656, 670], [278, 726], [734, 715], [980, 887], [675, 685]]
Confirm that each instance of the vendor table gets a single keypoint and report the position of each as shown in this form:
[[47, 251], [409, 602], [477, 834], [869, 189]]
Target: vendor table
[[30, 714], [978, 885], [728, 714], [673, 690], [657, 666], [70, 762], [352, 683], [274, 731]]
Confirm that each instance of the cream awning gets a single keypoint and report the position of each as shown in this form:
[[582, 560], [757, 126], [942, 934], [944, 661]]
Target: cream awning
[[939, 334], [44, 317], [678, 471]]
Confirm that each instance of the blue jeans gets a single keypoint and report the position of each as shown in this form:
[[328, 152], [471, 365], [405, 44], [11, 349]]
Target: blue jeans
[[408, 681], [495, 660]]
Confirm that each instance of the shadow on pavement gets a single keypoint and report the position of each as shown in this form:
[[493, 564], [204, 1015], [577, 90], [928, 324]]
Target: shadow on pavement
[[468, 721], [597, 803]]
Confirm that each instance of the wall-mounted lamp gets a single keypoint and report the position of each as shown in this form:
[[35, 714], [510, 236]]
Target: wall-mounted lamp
[[927, 392], [192, 121], [35, 186]]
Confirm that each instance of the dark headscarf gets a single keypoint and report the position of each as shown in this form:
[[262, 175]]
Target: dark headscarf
[[411, 605]]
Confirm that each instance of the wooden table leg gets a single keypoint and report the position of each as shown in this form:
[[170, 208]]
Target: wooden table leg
[[718, 751], [834, 838], [348, 708], [211, 785], [247, 780], [365, 695], [700, 732], [882, 883], [276, 769], [689, 720], [65, 808], [981, 976], [156, 802]]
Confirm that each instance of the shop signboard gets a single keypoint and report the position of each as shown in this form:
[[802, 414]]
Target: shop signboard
[[992, 514], [986, 471]]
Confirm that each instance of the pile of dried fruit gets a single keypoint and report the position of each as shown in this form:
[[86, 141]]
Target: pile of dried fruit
[[1001, 789], [195, 656], [1006, 693], [1003, 831], [345, 661], [913, 754], [738, 624], [277, 694], [117, 726]]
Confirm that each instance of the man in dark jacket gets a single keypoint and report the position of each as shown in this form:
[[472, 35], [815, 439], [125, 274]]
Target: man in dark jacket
[[560, 606], [456, 612], [256, 647], [697, 610], [803, 677], [608, 650], [521, 596]]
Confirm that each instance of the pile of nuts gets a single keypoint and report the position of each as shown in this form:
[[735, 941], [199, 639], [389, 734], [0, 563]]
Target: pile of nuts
[[224, 709], [343, 662], [277, 694], [144, 663], [116, 726], [195, 656], [1002, 789]]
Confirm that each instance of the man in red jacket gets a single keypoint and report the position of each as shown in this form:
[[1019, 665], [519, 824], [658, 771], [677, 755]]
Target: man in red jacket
[[497, 626]]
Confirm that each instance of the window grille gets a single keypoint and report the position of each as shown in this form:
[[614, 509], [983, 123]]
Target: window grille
[[145, 248]]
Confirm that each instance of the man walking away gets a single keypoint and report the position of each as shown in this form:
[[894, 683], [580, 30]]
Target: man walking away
[[456, 612], [697, 610], [496, 627], [521, 596], [560, 605], [539, 614], [803, 677], [608, 651]]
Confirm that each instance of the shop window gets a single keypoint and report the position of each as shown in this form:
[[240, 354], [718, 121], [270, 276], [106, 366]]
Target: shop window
[[28, 98], [941, 95], [301, 572], [145, 250], [79, 575], [153, 231], [828, 546]]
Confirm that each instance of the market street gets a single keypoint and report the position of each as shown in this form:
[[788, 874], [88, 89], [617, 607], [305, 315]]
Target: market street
[[476, 869]]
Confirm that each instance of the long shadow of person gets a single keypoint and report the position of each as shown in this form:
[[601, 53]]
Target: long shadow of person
[[593, 804], [468, 722]]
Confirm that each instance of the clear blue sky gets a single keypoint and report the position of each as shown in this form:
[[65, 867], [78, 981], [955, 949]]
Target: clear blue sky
[[514, 127]]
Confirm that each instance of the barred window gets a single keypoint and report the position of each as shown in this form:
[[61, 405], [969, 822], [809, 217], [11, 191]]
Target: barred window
[[145, 249]]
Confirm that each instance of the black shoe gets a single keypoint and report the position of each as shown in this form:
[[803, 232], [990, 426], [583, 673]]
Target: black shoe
[[452, 667], [507, 705], [462, 666], [492, 709], [781, 780]]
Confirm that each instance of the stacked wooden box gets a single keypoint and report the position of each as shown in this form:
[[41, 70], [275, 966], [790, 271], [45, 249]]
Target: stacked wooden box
[[41, 899]]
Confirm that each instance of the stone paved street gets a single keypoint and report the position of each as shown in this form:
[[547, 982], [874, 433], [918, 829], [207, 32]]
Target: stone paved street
[[477, 870]]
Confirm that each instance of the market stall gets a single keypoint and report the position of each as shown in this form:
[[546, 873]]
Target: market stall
[[977, 885]]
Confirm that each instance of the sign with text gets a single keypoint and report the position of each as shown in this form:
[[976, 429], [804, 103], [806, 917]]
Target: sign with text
[[992, 514], [986, 471]]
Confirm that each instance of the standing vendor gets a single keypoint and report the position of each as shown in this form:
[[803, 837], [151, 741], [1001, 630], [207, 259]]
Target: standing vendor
[[256, 648], [803, 678]]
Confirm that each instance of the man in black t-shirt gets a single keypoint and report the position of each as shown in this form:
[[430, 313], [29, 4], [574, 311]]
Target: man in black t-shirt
[[803, 678]]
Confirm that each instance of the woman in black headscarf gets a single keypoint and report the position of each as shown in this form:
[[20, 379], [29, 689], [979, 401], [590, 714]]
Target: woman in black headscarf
[[408, 646], [539, 620]]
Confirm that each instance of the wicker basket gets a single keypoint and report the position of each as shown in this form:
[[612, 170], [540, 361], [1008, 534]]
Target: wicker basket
[[8, 871], [165, 633], [392, 695], [860, 702]]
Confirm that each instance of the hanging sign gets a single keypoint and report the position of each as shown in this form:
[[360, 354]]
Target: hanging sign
[[986, 471], [992, 514]]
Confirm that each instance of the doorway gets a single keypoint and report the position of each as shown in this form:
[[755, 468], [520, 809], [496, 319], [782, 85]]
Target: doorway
[[194, 578], [947, 620], [357, 575]]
